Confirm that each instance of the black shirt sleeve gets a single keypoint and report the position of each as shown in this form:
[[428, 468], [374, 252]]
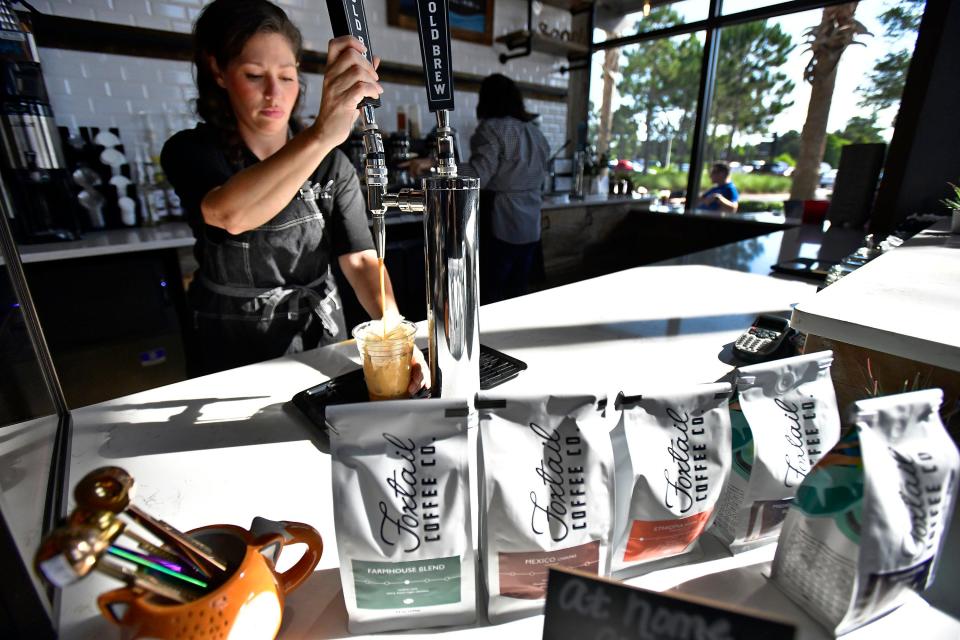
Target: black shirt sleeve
[[351, 232], [194, 165]]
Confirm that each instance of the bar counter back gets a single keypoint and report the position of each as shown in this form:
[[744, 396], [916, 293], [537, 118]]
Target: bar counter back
[[228, 447]]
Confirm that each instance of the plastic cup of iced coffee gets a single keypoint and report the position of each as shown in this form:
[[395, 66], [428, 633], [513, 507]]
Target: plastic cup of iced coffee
[[386, 354]]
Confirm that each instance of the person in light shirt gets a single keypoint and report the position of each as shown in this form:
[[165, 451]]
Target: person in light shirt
[[723, 196], [508, 154]]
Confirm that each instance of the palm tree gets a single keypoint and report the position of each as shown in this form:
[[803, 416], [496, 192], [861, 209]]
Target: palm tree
[[827, 41], [611, 66]]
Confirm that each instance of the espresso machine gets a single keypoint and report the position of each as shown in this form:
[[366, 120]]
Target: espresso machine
[[33, 165], [448, 202]]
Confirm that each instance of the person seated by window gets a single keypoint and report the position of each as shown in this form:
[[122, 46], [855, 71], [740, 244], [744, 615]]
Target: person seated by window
[[724, 196]]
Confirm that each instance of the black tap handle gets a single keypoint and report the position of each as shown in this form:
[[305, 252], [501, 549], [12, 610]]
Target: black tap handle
[[348, 19], [433, 22]]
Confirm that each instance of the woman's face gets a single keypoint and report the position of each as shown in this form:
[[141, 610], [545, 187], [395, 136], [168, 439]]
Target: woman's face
[[262, 85]]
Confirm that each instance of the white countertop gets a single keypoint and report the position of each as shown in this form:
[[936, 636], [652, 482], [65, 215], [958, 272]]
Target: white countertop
[[170, 235], [228, 447], [99, 243], [905, 302]]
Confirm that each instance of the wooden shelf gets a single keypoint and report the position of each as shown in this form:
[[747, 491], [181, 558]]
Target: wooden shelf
[[73, 34], [568, 5], [542, 43]]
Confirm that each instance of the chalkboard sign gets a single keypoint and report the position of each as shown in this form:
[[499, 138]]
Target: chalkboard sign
[[589, 608]]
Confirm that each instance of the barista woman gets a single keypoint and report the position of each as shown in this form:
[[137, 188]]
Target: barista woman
[[271, 203]]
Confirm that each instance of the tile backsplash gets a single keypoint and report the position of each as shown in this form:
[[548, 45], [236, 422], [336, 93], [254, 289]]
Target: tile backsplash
[[106, 90]]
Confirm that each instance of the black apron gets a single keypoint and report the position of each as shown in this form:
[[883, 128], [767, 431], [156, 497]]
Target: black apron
[[270, 291]]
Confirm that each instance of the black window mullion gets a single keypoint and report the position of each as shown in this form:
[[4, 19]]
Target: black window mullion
[[708, 77], [717, 22]]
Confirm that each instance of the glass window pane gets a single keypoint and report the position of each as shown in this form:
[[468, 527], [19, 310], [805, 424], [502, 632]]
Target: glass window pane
[[22, 392], [617, 18], [28, 427], [764, 98], [643, 108]]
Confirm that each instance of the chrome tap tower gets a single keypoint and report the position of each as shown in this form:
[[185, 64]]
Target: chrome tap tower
[[449, 204]]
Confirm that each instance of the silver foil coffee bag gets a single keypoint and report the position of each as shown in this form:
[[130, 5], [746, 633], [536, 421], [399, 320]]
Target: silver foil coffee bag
[[869, 520], [672, 455], [546, 469], [401, 501], [783, 419]]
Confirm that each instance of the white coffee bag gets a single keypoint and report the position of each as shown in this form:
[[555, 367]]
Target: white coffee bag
[[672, 454], [869, 519], [401, 499], [545, 496], [783, 420]]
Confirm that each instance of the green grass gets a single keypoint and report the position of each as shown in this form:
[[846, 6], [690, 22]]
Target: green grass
[[745, 182]]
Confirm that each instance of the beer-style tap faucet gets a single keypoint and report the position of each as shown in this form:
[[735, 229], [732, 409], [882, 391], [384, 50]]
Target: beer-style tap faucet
[[348, 18], [376, 174], [449, 204]]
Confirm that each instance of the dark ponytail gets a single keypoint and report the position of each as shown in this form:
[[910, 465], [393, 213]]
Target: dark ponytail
[[499, 98]]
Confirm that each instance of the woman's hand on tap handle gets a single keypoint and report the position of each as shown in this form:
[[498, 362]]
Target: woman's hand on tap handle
[[347, 80]]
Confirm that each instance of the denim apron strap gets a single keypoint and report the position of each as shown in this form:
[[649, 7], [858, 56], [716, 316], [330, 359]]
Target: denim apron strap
[[323, 304]]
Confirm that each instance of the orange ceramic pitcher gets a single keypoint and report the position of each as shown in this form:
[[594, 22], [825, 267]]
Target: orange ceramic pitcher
[[248, 603]]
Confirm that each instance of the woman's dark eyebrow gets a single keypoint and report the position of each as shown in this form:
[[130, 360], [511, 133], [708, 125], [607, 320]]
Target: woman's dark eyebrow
[[260, 64]]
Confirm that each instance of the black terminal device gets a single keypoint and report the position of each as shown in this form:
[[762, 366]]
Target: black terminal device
[[763, 339]]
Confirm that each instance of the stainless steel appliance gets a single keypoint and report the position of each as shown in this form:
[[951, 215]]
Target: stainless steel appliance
[[44, 208], [449, 203]]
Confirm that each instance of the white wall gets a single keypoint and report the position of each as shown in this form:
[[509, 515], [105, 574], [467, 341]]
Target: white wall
[[102, 90]]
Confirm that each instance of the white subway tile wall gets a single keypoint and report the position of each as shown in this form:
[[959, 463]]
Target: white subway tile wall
[[101, 90]]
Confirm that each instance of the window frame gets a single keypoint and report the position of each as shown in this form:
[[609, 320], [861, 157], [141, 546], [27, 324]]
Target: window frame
[[711, 26]]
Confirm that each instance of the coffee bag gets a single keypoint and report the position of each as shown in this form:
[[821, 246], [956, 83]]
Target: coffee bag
[[869, 519], [783, 419], [401, 500], [672, 454], [545, 496]]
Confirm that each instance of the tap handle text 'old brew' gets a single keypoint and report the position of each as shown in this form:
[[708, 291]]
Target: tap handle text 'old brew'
[[347, 18], [433, 22]]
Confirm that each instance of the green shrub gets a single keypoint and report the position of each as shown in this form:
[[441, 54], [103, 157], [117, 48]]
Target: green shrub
[[761, 183], [786, 157], [673, 180], [757, 206]]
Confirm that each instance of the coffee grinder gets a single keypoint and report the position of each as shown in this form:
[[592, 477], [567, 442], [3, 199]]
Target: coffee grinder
[[33, 165], [449, 204]]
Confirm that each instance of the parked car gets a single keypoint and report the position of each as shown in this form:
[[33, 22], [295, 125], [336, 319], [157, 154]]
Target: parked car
[[736, 167], [828, 179], [781, 169]]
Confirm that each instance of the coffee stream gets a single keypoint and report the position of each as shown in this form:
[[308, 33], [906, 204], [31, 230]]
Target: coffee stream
[[556, 476], [417, 521], [383, 300]]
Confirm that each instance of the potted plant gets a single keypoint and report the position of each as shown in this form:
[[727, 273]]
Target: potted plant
[[953, 205]]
